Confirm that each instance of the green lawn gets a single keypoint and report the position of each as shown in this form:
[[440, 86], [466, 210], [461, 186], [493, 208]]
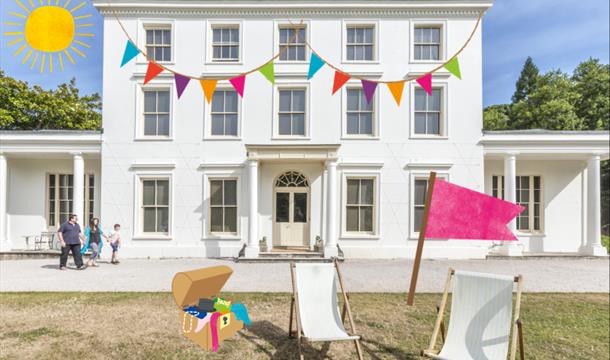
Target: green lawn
[[146, 326], [606, 242]]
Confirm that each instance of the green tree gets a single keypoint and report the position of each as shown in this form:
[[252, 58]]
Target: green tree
[[527, 80], [496, 117], [32, 108], [592, 83]]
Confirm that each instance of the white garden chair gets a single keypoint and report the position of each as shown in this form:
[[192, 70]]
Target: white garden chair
[[481, 318], [314, 301]]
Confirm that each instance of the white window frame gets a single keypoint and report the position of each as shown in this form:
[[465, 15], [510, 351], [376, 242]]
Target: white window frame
[[531, 230], [418, 175], [87, 211], [279, 24], [443, 38], [156, 86], [207, 113], [155, 24], [138, 225], [360, 23], [221, 172], [375, 175], [444, 121], [209, 39], [276, 107], [351, 84]]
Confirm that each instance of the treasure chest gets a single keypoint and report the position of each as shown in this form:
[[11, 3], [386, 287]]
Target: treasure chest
[[188, 288]]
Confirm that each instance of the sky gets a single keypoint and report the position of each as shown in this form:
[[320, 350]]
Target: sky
[[557, 34]]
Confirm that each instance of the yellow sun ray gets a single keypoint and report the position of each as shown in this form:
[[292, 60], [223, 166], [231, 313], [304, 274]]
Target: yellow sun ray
[[82, 17], [84, 34], [61, 61], [68, 55], [42, 62], [22, 6], [82, 43], [50, 63], [20, 49], [27, 56], [32, 4], [67, 3], [10, 23], [77, 51], [18, 14], [84, 25], [15, 41], [34, 60], [13, 33], [77, 6]]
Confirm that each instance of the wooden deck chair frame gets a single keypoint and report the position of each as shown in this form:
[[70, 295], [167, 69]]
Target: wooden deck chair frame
[[516, 328], [294, 312]]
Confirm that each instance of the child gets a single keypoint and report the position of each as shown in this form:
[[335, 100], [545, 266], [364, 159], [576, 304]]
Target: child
[[115, 241]]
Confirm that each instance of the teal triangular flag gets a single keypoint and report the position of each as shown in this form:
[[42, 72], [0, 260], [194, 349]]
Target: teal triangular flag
[[131, 51], [454, 67], [315, 63]]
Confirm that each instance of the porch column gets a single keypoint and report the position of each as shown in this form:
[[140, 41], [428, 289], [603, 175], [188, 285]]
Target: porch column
[[252, 246], [330, 248], [4, 244], [594, 234], [510, 248], [78, 195]]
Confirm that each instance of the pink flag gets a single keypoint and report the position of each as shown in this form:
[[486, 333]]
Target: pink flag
[[239, 83], [181, 83], [369, 89], [426, 82], [460, 213]]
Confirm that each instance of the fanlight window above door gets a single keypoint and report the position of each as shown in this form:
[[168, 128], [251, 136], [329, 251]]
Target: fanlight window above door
[[292, 179]]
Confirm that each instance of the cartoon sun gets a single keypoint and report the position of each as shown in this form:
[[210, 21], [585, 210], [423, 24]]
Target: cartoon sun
[[48, 30]]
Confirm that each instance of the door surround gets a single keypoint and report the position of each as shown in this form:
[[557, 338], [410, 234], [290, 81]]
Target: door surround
[[293, 232]]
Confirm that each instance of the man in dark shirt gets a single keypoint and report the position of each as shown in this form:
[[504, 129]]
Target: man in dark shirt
[[70, 238]]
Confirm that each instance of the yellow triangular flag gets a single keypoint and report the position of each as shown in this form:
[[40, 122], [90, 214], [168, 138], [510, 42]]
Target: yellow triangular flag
[[208, 87], [396, 90]]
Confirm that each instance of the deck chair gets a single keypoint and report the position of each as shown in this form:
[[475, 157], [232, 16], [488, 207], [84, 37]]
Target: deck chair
[[314, 302], [481, 320]]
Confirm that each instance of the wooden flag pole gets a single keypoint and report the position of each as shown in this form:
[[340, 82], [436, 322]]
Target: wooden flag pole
[[422, 237]]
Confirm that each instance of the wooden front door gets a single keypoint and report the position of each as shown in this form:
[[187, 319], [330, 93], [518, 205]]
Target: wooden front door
[[291, 211]]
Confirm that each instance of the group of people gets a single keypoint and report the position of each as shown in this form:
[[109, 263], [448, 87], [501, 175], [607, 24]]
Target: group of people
[[73, 239]]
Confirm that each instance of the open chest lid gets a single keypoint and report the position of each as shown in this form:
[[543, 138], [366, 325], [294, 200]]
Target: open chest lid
[[190, 286]]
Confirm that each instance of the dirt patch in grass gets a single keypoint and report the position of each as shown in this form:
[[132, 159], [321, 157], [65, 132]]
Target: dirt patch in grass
[[146, 326]]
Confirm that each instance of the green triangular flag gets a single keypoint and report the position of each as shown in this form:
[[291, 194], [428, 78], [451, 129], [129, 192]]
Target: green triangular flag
[[268, 71], [454, 67]]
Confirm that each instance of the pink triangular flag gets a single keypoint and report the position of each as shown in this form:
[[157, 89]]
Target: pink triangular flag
[[369, 89], [460, 213], [426, 82], [181, 83], [239, 84]]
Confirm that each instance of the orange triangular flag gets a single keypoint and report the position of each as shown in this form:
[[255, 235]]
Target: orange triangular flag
[[340, 79], [152, 71], [208, 87], [396, 90]]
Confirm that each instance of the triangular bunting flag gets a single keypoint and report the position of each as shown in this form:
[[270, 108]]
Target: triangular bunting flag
[[131, 51], [181, 83], [396, 89], [454, 67], [315, 63], [369, 88], [239, 84], [208, 87], [426, 82], [340, 79], [152, 71], [268, 71]]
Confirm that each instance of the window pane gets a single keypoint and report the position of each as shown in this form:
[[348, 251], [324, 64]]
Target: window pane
[[300, 208], [148, 192], [434, 52], [163, 219], [284, 125], [418, 214], [231, 101], [216, 222], [298, 124], [350, 53], [353, 124], [351, 35], [368, 52], [421, 186], [231, 125], [218, 125], [298, 100], [149, 36], [162, 192], [163, 99], [301, 53], [420, 123], [230, 219], [435, 35], [351, 218], [285, 104], [216, 192], [150, 125], [366, 218], [284, 36], [418, 52], [149, 220], [230, 192], [420, 99], [217, 50], [282, 207], [435, 100], [163, 125], [366, 124], [150, 101], [353, 186], [367, 191], [353, 98], [433, 124]]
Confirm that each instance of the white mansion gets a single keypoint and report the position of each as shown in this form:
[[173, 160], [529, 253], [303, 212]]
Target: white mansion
[[289, 162]]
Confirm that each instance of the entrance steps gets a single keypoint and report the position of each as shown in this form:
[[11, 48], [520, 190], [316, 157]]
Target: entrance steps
[[287, 257]]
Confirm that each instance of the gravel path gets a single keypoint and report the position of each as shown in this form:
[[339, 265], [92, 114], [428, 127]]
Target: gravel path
[[542, 275]]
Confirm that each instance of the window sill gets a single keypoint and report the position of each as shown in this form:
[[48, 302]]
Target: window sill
[[359, 236], [152, 237], [222, 138], [224, 62], [361, 62], [428, 137], [292, 62], [233, 237], [530, 234], [164, 63], [413, 61], [362, 137], [153, 139], [292, 138]]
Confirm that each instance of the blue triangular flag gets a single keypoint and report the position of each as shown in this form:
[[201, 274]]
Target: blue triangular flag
[[131, 51], [315, 63]]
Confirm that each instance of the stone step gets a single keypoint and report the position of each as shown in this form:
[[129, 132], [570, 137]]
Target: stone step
[[284, 259], [304, 254], [29, 254]]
